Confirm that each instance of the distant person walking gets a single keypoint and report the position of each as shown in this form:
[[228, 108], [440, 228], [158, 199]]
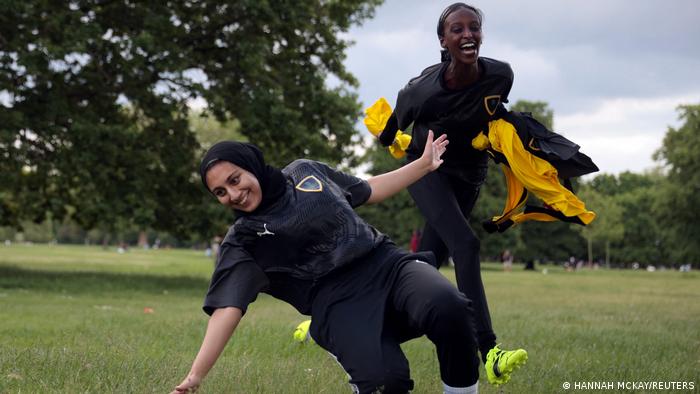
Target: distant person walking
[[415, 240]]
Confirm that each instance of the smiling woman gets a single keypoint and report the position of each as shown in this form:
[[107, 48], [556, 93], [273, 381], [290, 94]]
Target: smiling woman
[[234, 187], [457, 97], [463, 97], [297, 237]]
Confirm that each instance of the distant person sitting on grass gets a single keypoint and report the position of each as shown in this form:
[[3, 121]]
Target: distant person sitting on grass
[[297, 238]]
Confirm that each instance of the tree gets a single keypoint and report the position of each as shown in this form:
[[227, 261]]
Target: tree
[[208, 130], [94, 116], [635, 194], [608, 225], [538, 109], [678, 200]]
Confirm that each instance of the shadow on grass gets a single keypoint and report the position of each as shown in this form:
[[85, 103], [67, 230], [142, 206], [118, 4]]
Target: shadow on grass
[[13, 277]]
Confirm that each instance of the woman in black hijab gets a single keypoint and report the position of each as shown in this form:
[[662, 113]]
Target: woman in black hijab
[[297, 238]]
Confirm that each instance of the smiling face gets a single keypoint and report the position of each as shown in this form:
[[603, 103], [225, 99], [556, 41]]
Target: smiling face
[[462, 35], [234, 187]]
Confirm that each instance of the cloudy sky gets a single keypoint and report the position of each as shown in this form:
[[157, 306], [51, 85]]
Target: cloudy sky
[[613, 71]]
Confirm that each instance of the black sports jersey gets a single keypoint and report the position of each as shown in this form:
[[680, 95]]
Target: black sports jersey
[[461, 114], [309, 232]]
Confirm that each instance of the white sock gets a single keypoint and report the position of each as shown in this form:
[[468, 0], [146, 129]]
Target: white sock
[[473, 389]]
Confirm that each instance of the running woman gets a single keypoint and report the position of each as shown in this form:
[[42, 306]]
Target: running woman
[[457, 97]]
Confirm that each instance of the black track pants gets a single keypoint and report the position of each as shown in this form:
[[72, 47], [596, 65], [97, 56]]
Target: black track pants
[[421, 302], [446, 203]]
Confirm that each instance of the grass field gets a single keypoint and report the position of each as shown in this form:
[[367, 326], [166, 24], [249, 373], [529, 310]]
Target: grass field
[[73, 320]]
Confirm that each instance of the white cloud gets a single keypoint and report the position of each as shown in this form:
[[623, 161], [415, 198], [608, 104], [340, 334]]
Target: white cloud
[[624, 117], [621, 134]]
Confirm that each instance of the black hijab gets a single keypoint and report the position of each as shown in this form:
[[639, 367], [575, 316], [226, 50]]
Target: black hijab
[[250, 158]]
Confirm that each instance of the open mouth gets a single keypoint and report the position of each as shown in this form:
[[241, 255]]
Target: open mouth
[[468, 47]]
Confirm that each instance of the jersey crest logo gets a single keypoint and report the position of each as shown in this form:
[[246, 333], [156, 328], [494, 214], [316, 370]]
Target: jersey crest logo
[[491, 103], [310, 184], [266, 232]]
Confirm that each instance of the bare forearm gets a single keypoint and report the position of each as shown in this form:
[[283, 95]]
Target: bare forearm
[[219, 330], [386, 185]]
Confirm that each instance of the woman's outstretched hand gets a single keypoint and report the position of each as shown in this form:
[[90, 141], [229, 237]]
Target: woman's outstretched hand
[[188, 386], [434, 149], [386, 185]]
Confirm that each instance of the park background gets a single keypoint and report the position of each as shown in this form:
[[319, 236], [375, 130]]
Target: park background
[[106, 107]]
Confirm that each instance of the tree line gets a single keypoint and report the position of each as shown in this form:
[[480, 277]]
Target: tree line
[[98, 139]]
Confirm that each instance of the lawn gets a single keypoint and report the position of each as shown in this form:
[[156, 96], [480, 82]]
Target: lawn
[[78, 319]]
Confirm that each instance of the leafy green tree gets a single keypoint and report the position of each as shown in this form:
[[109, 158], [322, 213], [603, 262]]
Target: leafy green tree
[[539, 109], [678, 200], [635, 194], [608, 225], [94, 116], [643, 240], [208, 130]]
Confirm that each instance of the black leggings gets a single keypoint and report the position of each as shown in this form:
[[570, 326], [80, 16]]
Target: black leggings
[[446, 203], [421, 302]]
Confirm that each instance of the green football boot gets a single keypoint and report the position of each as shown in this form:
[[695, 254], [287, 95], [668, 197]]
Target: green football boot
[[301, 333], [500, 364]]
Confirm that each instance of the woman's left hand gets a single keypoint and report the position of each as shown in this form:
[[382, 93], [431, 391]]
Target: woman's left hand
[[432, 154]]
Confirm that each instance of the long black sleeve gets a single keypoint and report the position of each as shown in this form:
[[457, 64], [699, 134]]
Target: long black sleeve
[[389, 133]]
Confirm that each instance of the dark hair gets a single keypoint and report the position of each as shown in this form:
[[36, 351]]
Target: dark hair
[[444, 55]]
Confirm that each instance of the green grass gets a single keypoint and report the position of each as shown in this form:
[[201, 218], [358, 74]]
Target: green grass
[[72, 321]]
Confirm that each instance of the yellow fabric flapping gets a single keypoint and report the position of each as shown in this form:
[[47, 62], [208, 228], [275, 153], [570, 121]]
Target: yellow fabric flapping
[[481, 142], [401, 142], [538, 216], [377, 115], [375, 120], [516, 198], [534, 174]]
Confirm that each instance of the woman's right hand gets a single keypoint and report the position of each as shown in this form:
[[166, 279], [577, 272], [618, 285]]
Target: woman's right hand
[[432, 153]]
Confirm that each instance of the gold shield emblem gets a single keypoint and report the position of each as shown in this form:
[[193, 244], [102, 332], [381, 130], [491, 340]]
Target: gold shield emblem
[[310, 184], [491, 103]]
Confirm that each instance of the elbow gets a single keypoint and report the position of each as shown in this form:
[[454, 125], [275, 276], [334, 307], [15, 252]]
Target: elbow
[[375, 194], [372, 200]]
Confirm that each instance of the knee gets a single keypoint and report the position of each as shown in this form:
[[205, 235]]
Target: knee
[[450, 313], [469, 243]]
